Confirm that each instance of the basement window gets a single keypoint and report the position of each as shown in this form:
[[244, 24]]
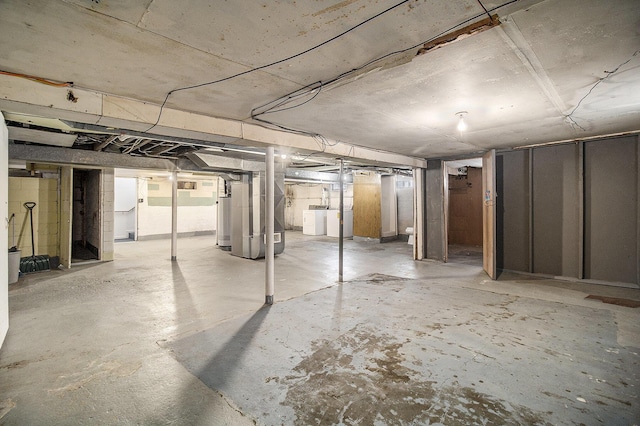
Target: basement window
[[183, 184]]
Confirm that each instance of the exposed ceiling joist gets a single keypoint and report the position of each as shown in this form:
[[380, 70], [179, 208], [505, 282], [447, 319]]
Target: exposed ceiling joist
[[27, 97], [82, 157]]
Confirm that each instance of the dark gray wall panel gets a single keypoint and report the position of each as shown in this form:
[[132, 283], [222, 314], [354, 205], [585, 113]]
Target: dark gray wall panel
[[512, 237], [556, 199], [611, 210], [434, 212]]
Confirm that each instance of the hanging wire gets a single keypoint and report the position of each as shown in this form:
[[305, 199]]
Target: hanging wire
[[271, 106], [485, 9], [317, 46], [600, 80]]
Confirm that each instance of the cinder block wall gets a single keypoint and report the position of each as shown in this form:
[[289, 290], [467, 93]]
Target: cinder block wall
[[107, 202], [44, 192]]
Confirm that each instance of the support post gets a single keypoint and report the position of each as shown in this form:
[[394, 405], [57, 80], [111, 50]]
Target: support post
[[341, 223], [418, 213], [174, 215], [269, 226]]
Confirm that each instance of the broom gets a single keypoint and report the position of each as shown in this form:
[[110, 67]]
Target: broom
[[33, 263]]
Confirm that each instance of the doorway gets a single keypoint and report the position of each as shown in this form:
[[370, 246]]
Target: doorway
[[464, 211], [125, 201], [87, 212]]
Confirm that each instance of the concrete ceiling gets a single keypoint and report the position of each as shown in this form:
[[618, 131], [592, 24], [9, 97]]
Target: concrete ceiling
[[552, 70]]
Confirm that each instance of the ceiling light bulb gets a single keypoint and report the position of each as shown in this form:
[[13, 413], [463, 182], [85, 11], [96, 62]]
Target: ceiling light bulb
[[283, 156], [462, 125]]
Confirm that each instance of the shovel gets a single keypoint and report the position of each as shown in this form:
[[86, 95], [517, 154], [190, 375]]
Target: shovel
[[33, 263]]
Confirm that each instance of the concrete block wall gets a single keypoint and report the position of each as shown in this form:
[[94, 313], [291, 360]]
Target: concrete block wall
[[44, 192], [48, 218], [66, 203], [108, 204]]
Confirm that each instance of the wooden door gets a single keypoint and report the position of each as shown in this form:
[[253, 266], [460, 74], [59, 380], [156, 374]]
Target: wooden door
[[366, 205], [489, 213]]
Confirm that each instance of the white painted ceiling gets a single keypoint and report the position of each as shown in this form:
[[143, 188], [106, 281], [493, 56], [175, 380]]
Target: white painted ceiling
[[553, 70]]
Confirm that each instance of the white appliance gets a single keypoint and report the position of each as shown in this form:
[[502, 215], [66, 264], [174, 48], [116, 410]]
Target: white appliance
[[224, 223], [314, 222]]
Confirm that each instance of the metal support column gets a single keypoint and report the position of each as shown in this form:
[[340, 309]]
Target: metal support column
[[341, 223], [269, 227], [174, 215]]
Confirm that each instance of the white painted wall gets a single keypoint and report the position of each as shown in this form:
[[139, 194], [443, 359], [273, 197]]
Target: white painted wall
[[4, 230], [388, 206], [299, 196], [155, 220], [404, 190], [126, 198]]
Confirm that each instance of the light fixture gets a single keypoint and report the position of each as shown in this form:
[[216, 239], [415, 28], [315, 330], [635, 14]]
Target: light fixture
[[283, 156], [462, 125]]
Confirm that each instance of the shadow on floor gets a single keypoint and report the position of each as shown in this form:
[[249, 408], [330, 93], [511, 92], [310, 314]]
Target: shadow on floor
[[467, 255], [80, 252], [215, 371]]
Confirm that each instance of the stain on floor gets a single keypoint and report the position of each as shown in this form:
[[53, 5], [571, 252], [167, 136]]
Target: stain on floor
[[387, 350], [362, 378], [616, 301]]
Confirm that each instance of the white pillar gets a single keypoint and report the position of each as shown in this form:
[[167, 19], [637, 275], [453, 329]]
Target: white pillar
[[418, 214], [341, 228], [269, 227], [174, 215]]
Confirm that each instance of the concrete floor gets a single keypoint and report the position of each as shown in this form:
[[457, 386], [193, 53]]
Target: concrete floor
[[142, 340]]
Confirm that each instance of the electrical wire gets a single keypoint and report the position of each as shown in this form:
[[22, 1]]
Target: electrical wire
[[317, 46], [38, 79], [609, 74], [284, 99], [293, 95], [318, 90], [321, 140], [485, 9]]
